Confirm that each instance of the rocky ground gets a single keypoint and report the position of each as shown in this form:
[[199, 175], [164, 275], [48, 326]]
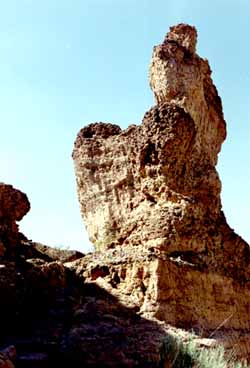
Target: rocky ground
[[52, 316]]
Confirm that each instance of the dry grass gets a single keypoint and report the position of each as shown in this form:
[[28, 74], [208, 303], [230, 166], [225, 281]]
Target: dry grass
[[188, 355]]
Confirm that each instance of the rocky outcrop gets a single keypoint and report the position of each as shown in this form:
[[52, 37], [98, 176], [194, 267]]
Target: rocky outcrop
[[156, 185], [150, 199], [37, 293], [30, 249], [13, 206], [54, 316], [167, 263], [152, 182]]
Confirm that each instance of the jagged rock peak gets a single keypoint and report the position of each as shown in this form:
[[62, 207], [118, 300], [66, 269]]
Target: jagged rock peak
[[184, 35], [14, 204], [179, 76]]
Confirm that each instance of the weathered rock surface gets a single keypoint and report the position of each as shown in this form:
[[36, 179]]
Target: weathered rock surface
[[55, 317], [13, 206], [150, 199], [150, 183], [168, 263]]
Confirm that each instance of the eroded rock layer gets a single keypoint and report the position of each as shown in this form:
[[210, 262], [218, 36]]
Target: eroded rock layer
[[152, 191]]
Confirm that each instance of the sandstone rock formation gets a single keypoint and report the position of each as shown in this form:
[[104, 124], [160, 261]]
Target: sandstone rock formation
[[13, 206], [168, 263], [150, 199]]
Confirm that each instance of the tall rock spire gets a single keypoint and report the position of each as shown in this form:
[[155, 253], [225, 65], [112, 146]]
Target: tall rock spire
[[150, 199]]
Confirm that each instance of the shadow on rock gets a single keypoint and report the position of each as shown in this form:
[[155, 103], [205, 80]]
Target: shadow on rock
[[53, 317]]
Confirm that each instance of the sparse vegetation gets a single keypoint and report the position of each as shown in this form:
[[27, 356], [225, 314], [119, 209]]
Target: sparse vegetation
[[189, 355], [62, 247]]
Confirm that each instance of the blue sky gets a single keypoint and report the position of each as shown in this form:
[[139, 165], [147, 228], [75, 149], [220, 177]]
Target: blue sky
[[67, 63]]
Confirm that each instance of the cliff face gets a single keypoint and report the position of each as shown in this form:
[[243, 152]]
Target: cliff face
[[150, 199]]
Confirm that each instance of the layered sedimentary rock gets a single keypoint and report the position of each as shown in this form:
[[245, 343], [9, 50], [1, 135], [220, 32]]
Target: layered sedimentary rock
[[14, 204], [150, 200]]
